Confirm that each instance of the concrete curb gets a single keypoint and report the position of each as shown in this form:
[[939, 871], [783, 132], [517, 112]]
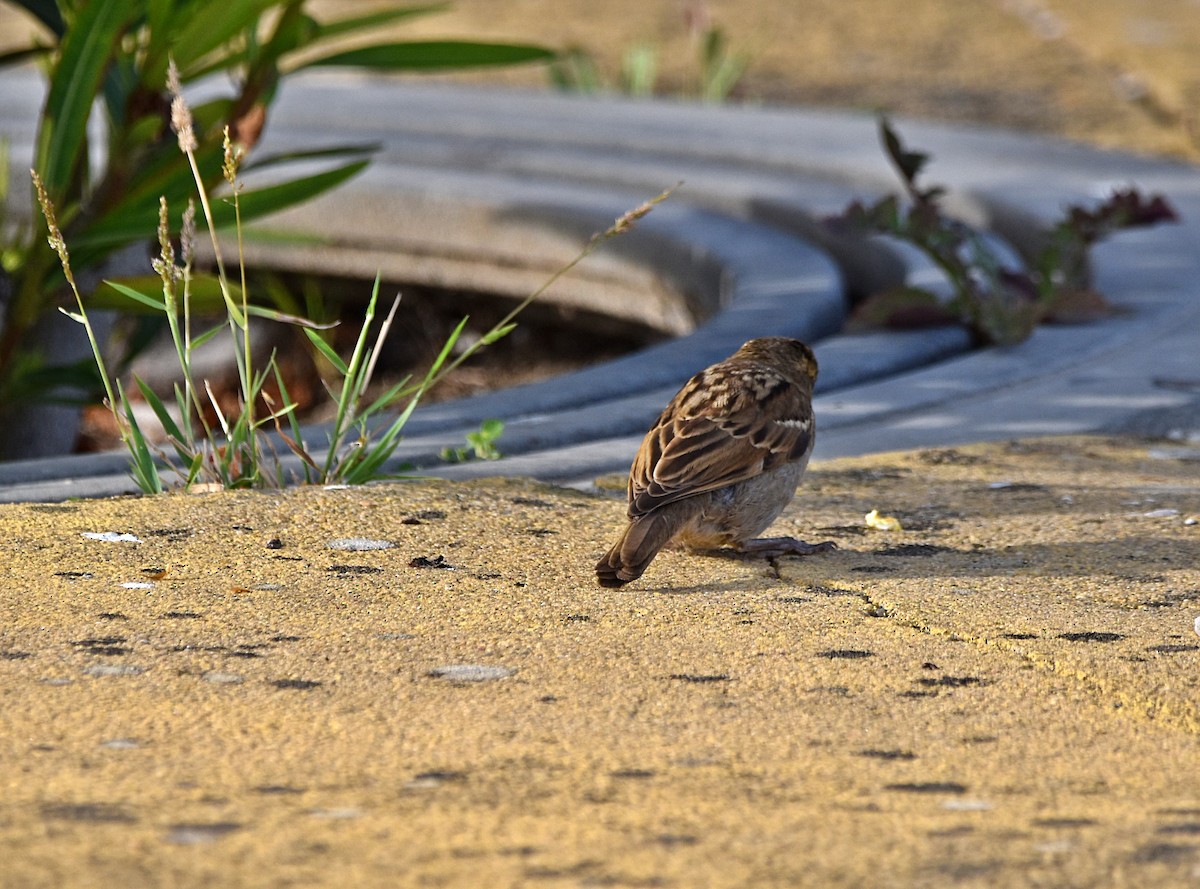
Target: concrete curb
[[737, 239]]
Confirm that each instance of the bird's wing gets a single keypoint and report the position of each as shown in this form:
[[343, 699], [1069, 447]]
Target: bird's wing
[[701, 442]]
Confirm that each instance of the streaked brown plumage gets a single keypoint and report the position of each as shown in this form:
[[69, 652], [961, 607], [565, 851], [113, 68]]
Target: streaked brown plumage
[[722, 460]]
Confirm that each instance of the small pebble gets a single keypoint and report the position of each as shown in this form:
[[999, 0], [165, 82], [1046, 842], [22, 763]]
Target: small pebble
[[435, 778], [1054, 847], [198, 834], [222, 678], [137, 585], [337, 814], [1161, 513], [1196, 625], [111, 537], [471, 672], [114, 670], [967, 805], [359, 544], [120, 744]]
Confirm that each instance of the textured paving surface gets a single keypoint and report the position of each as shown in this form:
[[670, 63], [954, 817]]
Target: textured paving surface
[[1003, 693]]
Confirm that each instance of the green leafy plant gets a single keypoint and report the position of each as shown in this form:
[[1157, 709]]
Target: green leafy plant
[[115, 53], [236, 451], [718, 69], [998, 303], [481, 444]]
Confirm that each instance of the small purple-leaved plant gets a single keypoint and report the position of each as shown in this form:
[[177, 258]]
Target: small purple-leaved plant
[[998, 303]]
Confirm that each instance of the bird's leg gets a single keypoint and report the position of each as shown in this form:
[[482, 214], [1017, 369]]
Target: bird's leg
[[770, 547]]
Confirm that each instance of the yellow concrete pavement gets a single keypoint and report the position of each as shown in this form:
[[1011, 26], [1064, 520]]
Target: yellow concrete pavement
[[1004, 693]]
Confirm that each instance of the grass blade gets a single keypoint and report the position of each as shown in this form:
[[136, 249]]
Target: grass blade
[[374, 20], [178, 440], [433, 55], [272, 198], [142, 465], [157, 304], [388, 398], [328, 351], [296, 440], [83, 58], [207, 335]]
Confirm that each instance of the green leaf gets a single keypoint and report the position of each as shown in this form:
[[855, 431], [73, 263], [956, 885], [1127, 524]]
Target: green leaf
[[159, 19], [272, 198], [185, 409], [205, 296], [353, 380], [293, 29], [434, 55], [722, 79], [328, 351], [194, 469], [332, 152], [86, 52], [385, 400], [213, 25], [908, 163], [374, 20], [137, 296], [639, 70], [998, 319], [483, 440], [198, 341], [135, 216], [447, 348], [178, 440], [366, 468], [575, 71], [454, 455], [497, 333], [142, 466], [720, 70], [295, 441], [284, 318]]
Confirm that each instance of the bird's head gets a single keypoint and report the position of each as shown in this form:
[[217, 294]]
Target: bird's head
[[782, 352]]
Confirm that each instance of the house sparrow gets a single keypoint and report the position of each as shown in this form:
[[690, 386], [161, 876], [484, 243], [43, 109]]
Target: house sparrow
[[722, 460]]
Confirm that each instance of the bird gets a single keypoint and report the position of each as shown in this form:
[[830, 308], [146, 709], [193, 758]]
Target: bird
[[722, 461]]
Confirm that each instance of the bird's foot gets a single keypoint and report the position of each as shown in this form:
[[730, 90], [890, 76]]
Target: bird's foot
[[770, 547]]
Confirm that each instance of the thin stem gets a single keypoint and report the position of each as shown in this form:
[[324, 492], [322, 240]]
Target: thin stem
[[622, 224]]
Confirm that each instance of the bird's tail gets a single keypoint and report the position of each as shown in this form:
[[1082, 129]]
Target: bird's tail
[[638, 546]]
